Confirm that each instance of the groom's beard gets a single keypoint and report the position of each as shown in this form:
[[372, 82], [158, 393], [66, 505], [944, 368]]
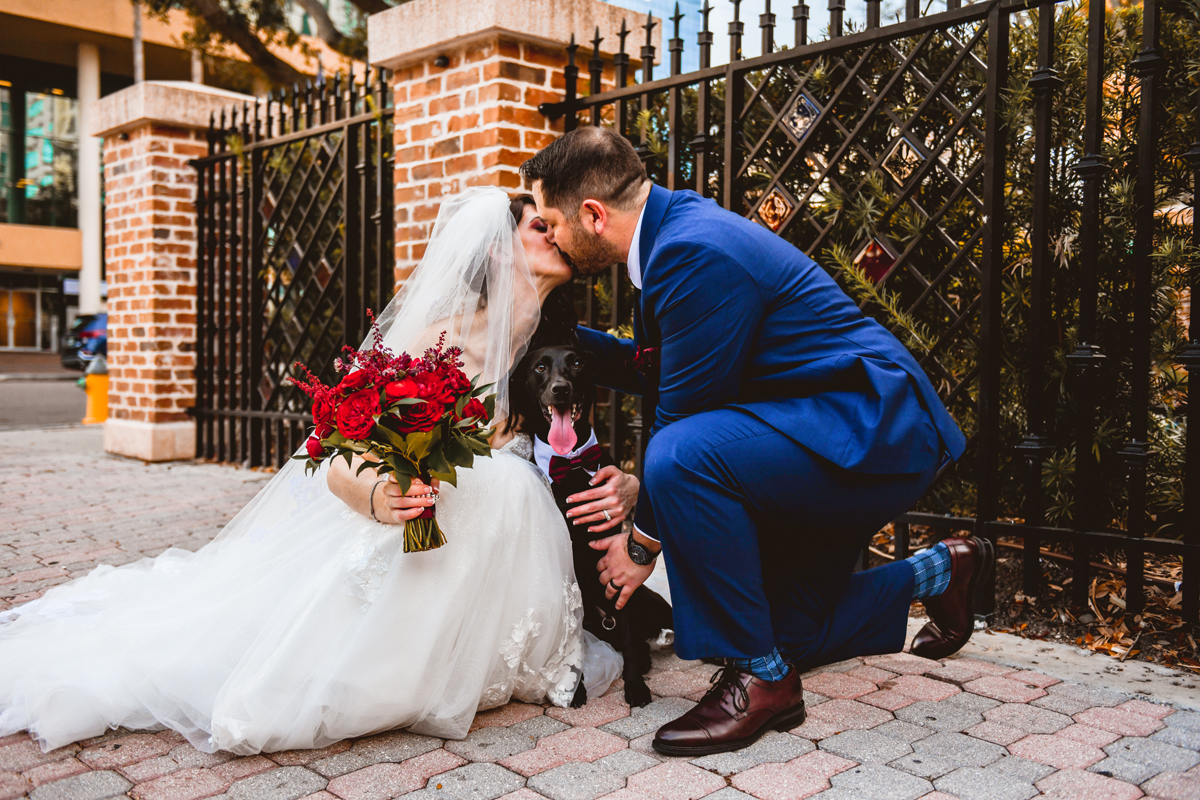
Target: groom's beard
[[590, 254]]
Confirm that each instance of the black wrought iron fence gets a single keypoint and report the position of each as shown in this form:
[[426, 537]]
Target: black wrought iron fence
[[1015, 200], [295, 242]]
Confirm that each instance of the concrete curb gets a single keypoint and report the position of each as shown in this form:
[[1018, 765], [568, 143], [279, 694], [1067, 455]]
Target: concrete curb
[[26, 377]]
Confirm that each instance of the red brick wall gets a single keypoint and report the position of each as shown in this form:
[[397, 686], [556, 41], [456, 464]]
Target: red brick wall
[[472, 123], [150, 258]]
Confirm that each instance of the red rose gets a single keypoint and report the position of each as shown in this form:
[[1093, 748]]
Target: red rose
[[421, 416], [315, 450], [356, 415], [398, 390], [431, 387], [322, 412], [456, 381], [475, 409], [353, 382]]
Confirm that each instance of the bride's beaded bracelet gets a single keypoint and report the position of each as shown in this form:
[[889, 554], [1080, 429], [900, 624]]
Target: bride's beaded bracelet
[[371, 503]]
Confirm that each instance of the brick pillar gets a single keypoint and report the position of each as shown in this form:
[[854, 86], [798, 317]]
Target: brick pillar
[[474, 121], [150, 131]]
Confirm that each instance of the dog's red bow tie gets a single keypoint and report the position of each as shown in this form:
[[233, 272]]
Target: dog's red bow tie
[[560, 466]]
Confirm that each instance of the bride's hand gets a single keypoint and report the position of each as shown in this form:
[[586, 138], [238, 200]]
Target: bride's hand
[[393, 505], [616, 492]]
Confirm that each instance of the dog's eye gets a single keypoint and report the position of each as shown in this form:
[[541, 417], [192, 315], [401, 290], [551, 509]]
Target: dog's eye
[[540, 368]]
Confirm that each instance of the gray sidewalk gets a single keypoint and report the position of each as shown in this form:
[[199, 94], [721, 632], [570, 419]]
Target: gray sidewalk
[[1008, 718]]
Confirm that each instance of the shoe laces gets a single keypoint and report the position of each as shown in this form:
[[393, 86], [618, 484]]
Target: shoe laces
[[725, 679]]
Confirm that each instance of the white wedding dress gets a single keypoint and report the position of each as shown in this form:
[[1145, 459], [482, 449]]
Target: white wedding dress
[[305, 623]]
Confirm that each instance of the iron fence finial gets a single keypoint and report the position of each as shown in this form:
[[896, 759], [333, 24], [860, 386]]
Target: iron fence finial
[[648, 49], [736, 29], [676, 44], [800, 17]]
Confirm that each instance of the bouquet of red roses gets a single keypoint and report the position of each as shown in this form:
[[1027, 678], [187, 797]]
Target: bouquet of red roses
[[417, 417]]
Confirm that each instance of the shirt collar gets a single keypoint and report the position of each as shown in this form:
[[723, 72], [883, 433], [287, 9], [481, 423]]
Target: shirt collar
[[543, 452], [634, 264]]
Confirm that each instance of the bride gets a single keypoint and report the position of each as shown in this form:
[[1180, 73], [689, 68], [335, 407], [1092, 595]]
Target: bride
[[304, 622]]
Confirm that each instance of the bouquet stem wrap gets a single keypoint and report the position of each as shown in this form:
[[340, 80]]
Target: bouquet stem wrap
[[423, 533]]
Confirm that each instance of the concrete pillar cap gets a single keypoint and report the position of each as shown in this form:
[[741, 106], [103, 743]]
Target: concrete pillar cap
[[179, 103], [416, 30]]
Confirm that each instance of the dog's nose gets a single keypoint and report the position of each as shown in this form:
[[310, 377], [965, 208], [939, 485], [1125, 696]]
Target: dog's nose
[[561, 391]]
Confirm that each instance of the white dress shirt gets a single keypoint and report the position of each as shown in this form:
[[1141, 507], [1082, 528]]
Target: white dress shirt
[[634, 262]]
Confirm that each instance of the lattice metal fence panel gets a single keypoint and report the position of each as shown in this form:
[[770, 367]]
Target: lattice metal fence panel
[[305, 182], [1019, 249], [871, 161]]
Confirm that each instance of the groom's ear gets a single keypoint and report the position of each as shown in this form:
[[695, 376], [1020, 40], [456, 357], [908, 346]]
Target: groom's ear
[[593, 215]]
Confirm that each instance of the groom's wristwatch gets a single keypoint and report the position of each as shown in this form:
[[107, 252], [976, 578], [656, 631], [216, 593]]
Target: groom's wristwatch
[[638, 554]]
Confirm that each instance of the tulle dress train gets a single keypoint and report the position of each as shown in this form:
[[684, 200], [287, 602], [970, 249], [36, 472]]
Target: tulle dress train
[[305, 623]]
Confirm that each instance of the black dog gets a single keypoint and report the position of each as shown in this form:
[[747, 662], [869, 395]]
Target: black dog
[[553, 391]]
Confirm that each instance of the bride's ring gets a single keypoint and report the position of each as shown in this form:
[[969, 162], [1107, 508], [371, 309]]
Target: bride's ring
[[607, 517]]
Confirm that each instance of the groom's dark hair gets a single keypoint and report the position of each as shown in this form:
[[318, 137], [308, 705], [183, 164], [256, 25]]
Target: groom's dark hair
[[587, 163]]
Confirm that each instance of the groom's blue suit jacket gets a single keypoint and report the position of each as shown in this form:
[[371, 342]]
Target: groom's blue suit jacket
[[742, 318]]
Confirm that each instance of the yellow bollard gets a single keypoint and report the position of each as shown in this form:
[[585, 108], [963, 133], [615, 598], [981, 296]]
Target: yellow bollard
[[97, 392]]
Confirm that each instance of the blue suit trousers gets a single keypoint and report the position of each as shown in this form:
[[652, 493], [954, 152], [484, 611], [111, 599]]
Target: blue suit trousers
[[760, 537]]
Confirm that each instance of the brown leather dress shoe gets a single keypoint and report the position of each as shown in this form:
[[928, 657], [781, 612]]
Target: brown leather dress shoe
[[952, 613], [737, 710]]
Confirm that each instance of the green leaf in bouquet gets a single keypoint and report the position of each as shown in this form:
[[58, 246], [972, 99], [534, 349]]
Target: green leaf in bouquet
[[489, 403], [334, 439], [441, 469], [419, 444], [349, 456], [479, 447], [462, 402], [366, 465], [405, 401], [389, 435], [482, 390], [456, 452], [402, 469]]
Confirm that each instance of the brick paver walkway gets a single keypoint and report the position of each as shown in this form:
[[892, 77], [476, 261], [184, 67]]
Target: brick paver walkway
[[880, 728]]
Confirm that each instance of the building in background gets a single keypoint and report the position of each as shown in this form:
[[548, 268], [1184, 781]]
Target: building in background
[[55, 58], [663, 11]]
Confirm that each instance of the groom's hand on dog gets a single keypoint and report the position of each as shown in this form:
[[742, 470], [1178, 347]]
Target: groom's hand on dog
[[617, 568], [615, 492]]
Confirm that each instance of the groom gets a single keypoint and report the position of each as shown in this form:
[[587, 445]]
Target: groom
[[788, 429]]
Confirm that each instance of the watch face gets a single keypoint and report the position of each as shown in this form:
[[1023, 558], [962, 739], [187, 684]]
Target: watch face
[[638, 554]]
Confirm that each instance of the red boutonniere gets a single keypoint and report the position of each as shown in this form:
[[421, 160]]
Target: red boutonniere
[[646, 360]]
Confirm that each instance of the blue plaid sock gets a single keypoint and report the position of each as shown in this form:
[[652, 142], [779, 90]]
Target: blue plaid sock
[[767, 668], [932, 571]]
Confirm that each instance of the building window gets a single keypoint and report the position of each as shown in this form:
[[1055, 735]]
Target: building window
[[39, 164]]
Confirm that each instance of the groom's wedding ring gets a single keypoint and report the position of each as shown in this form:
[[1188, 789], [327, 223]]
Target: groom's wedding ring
[[607, 516], [614, 587]]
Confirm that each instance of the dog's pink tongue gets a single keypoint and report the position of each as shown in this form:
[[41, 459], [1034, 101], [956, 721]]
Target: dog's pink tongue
[[562, 432]]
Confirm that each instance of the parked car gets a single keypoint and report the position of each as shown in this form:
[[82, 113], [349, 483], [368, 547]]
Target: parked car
[[87, 339]]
